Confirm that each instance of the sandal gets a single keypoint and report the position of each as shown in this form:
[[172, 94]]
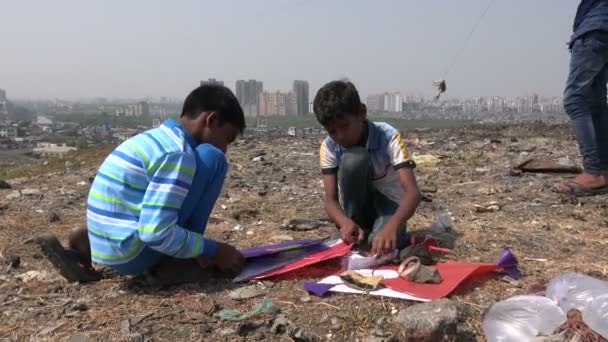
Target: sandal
[[67, 262], [578, 190]]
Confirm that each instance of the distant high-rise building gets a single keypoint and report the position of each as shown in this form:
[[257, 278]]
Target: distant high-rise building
[[142, 109], [3, 105], [248, 94], [375, 102], [391, 102], [212, 81], [300, 90], [282, 104]]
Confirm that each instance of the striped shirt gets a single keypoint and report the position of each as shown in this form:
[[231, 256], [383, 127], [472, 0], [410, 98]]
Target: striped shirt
[[387, 151], [136, 197]]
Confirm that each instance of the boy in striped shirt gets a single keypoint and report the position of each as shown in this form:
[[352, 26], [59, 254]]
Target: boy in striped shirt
[[368, 177], [152, 196]]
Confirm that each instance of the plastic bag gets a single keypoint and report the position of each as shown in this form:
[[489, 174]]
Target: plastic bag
[[521, 318], [575, 290], [357, 261], [443, 223], [595, 315]]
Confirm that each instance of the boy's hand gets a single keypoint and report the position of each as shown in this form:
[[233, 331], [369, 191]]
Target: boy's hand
[[351, 233], [228, 259], [385, 241]]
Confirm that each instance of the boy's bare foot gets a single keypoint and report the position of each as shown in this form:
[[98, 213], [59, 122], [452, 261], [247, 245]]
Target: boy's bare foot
[[71, 264], [585, 184]]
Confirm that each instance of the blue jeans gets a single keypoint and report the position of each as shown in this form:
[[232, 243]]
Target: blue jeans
[[585, 99], [211, 168]]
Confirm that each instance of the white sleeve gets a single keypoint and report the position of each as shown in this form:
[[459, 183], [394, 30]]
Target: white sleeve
[[327, 159], [399, 155]]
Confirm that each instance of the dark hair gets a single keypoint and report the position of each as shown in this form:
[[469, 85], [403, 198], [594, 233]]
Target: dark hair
[[336, 100], [215, 97]]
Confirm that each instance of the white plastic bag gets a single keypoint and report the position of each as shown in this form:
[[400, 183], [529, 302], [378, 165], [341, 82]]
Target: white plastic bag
[[575, 290], [595, 315], [521, 318], [356, 261]]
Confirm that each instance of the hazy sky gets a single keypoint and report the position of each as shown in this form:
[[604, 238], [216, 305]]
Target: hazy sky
[[140, 48]]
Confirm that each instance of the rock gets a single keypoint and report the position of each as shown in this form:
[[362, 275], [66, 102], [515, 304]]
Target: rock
[[238, 214], [281, 324], [428, 188], [30, 192], [432, 321], [335, 323], [490, 207], [512, 281], [226, 332], [54, 216], [258, 159], [78, 338], [4, 184], [12, 261], [208, 307], [13, 195], [305, 299], [29, 276], [245, 328], [135, 338], [246, 292], [303, 224]]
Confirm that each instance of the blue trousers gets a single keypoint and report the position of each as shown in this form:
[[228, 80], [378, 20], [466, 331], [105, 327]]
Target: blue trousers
[[585, 99], [211, 168]]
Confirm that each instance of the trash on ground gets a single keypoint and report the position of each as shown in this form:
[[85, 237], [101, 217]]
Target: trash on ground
[[248, 292], [522, 318], [265, 307], [360, 282], [303, 224], [546, 166]]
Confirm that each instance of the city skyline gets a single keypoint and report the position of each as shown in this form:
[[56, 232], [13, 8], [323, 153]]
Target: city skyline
[[142, 49]]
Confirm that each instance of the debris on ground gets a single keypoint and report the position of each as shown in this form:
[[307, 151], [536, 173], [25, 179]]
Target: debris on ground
[[547, 166], [265, 307], [551, 234], [431, 321], [303, 224], [247, 292], [282, 325], [4, 184]]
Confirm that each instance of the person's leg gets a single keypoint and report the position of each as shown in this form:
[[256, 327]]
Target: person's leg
[[208, 181], [211, 168], [600, 117], [587, 62], [385, 208], [355, 187]]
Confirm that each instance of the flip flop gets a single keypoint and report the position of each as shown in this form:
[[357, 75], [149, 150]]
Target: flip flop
[[67, 262], [577, 190]]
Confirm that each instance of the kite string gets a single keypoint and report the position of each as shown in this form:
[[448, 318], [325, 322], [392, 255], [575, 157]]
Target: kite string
[[463, 46]]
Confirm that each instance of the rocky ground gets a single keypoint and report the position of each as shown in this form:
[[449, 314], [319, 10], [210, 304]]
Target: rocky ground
[[470, 178]]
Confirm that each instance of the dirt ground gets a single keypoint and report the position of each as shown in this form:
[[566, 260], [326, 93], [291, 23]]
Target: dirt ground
[[550, 234]]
